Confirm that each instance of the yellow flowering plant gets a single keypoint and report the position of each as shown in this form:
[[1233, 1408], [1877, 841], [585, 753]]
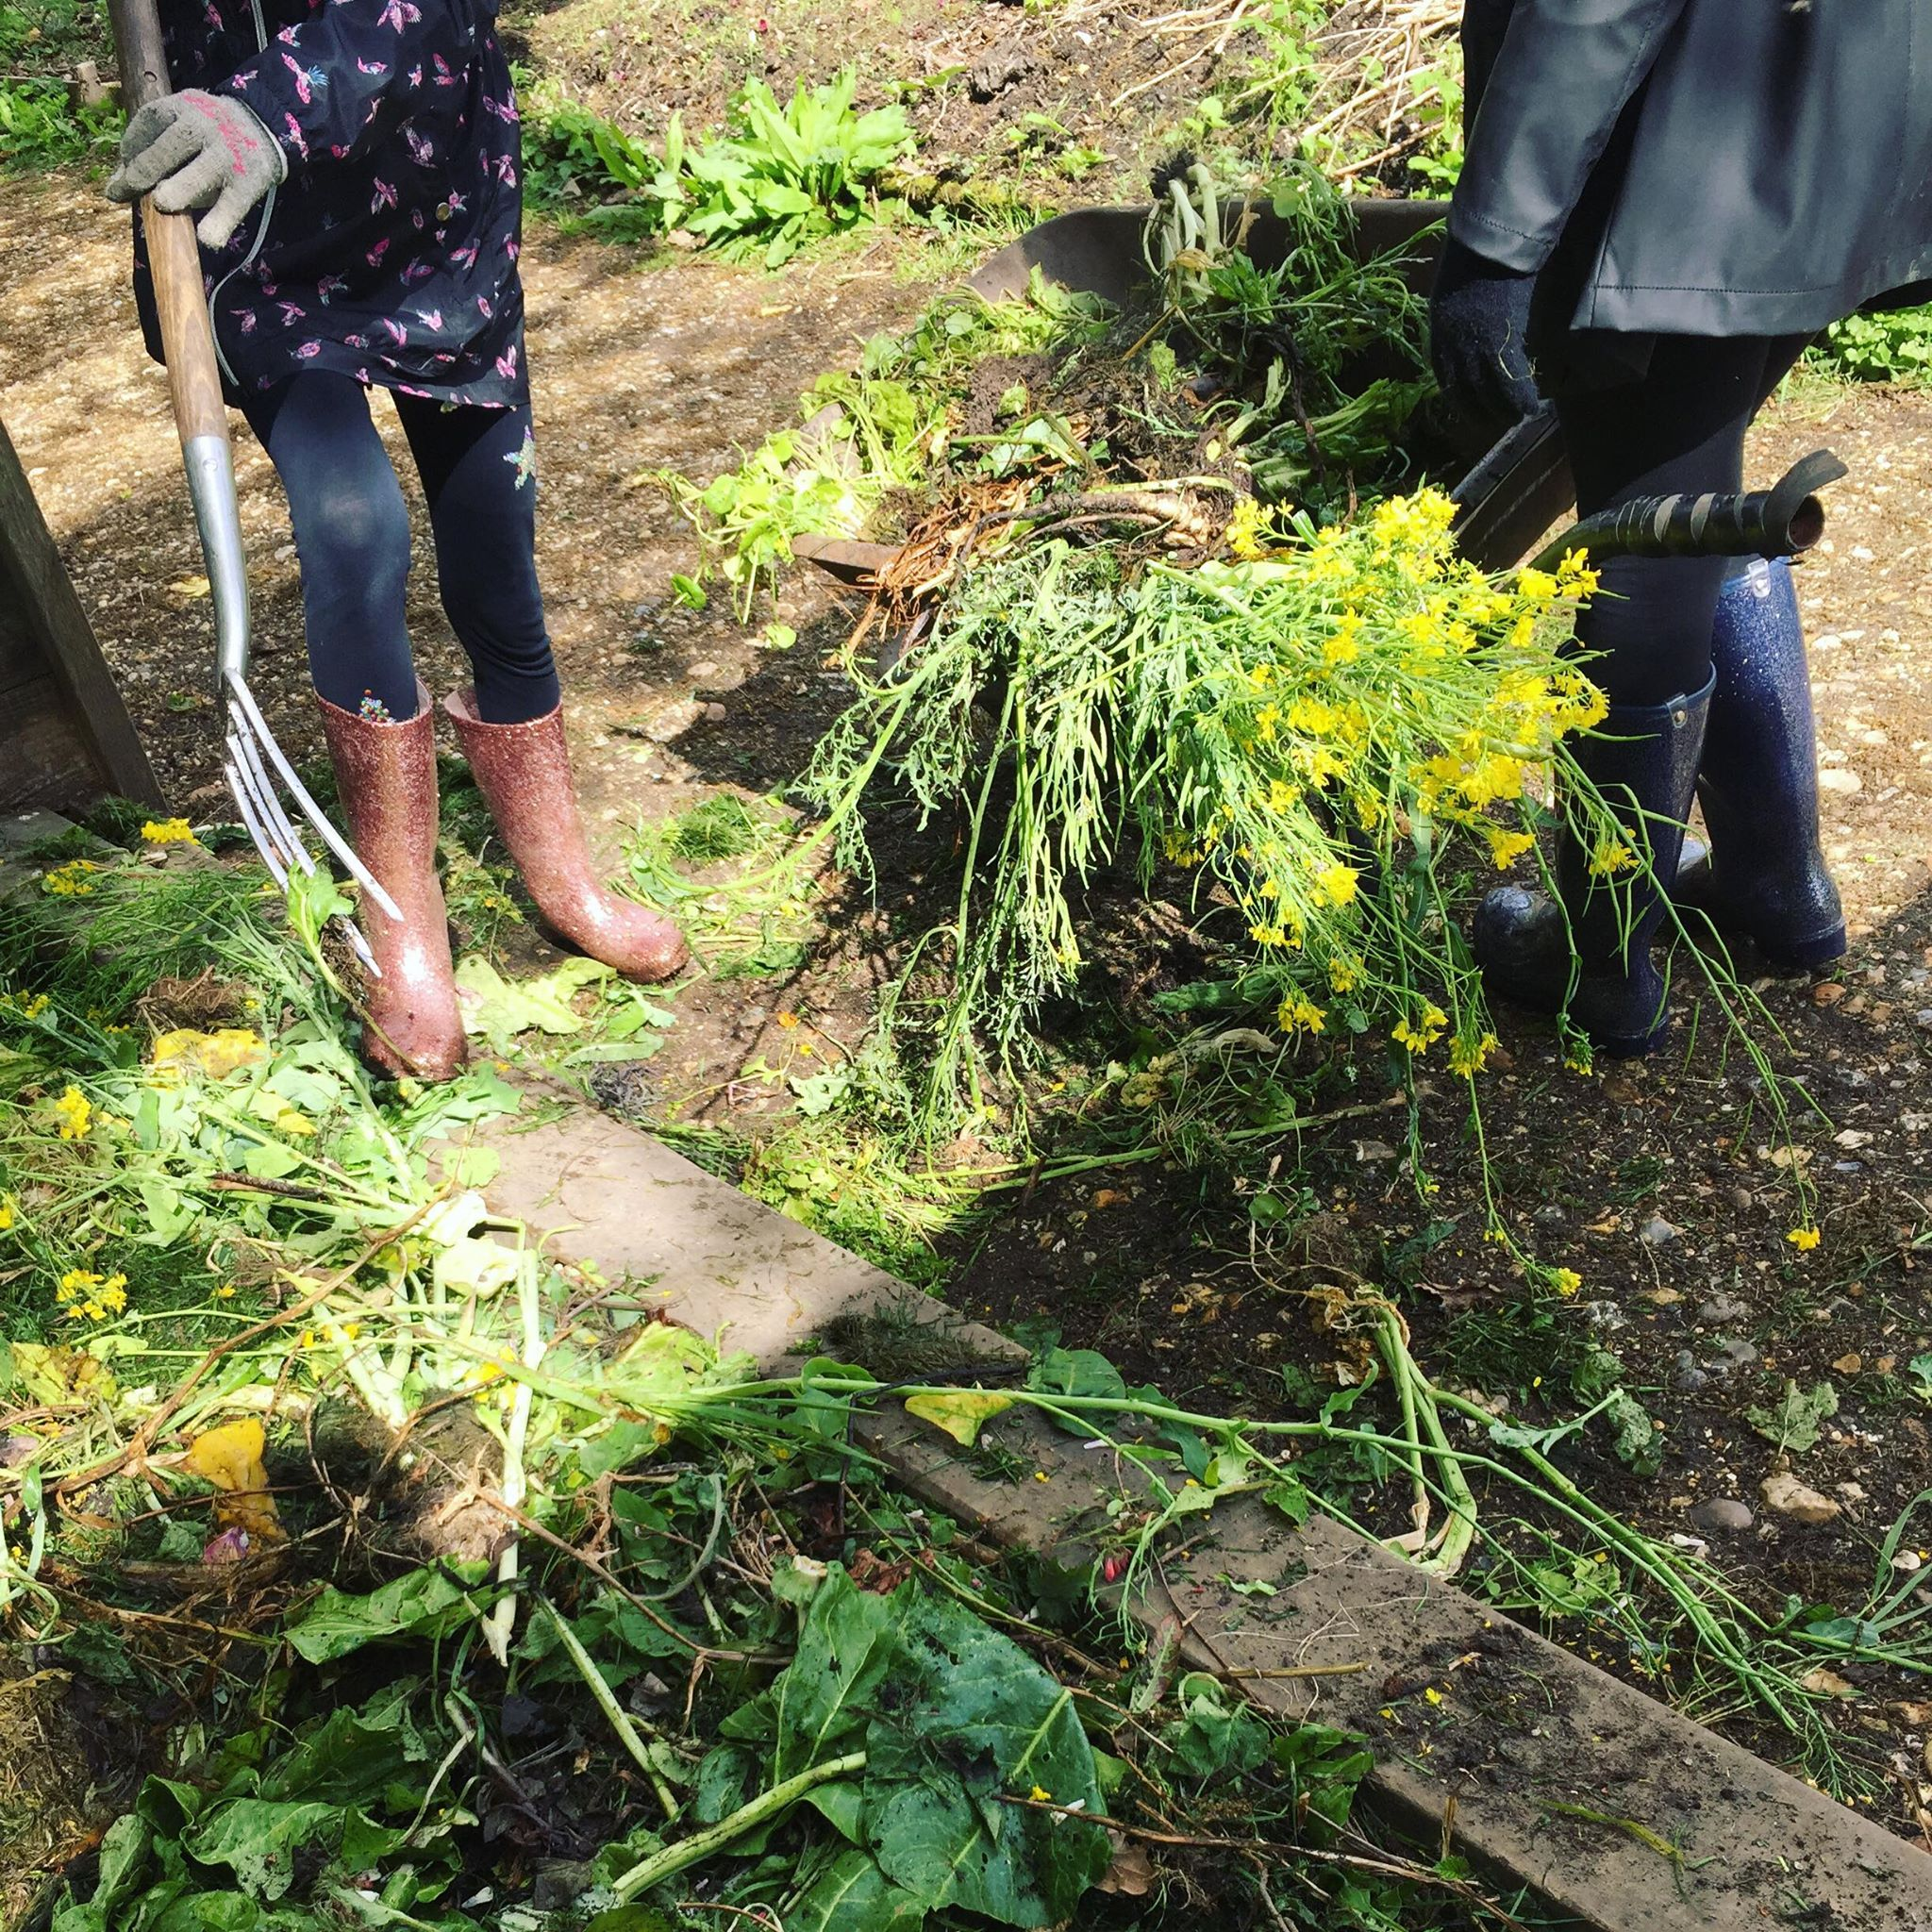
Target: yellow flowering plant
[[1311, 726]]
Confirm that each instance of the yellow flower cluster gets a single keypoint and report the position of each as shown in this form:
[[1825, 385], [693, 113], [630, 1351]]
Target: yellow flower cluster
[[24, 1006], [71, 880], [1353, 695], [73, 1114], [90, 1298], [168, 832]]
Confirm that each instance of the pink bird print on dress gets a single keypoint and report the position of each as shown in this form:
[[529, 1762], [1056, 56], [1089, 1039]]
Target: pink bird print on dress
[[355, 342], [483, 303], [416, 75], [310, 81], [399, 14], [421, 147], [443, 77], [464, 257], [363, 66], [505, 171], [294, 130], [506, 364], [385, 196], [429, 318], [398, 334], [375, 255], [329, 285], [292, 312], [308, 350], [247, 318], [504, 110], [417, 272], [454, 202], [511, 246]]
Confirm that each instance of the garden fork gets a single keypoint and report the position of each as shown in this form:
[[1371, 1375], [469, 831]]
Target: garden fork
[[252, 760]]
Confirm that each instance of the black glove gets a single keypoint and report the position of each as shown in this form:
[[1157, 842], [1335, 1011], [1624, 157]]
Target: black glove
[[1478, 319]]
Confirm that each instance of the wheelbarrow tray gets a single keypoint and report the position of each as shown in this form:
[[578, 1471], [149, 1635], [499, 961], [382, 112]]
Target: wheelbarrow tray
[[1510, 493]]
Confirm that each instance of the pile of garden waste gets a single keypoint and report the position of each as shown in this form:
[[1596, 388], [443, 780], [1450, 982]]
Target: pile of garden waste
[[423, 1581], [1166, 602]]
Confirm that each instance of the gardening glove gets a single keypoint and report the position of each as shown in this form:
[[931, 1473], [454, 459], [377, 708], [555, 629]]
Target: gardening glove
[[193, 150], [1479, 317]]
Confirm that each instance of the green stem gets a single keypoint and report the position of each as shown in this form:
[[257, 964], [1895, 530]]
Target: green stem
[[607, 1702], [690, 1850]]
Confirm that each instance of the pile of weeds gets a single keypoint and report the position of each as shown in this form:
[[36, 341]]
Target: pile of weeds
[[402, 1528]]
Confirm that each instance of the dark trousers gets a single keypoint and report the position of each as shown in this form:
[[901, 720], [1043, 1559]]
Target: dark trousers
[[1681, 428], [351, 535]]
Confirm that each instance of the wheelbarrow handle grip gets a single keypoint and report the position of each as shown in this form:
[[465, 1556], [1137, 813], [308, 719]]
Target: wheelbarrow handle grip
[[1779, 522], [188, 341]]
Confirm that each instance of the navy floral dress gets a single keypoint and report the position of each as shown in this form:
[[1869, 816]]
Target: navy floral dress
[[390, 252]]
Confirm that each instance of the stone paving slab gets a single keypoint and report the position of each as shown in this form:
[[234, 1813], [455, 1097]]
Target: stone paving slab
[[1518, 1727]]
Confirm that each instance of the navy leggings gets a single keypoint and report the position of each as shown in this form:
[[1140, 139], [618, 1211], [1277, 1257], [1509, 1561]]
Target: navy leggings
[[1681, 428], [352, 534]]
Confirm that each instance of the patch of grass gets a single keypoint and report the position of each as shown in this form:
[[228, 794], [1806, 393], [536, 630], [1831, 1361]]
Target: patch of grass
[[722, 827]]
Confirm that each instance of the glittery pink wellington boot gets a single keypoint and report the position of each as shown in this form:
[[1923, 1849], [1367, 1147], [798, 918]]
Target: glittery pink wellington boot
[[386, 777], [523, 774]]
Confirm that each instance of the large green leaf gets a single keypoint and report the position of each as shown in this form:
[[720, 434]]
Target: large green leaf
[[852, 1895], [352, 1756], [257, 1837], [846, 1644], [973, 1721], [425, 1603]]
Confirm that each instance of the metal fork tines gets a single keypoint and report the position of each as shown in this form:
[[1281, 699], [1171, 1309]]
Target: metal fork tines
[[252, 753]]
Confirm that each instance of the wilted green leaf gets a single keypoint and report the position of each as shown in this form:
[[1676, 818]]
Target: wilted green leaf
[[425, 1603], [1795, 1422]]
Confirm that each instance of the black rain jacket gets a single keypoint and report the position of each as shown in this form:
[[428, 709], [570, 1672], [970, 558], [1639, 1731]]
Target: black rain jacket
[[1699, 167]]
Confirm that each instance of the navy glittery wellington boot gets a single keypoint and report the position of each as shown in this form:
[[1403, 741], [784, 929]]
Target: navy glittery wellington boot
[[1763, 874], [1643, 761]]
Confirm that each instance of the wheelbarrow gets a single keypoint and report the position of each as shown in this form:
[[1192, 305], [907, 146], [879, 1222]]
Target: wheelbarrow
[[1509, 493]]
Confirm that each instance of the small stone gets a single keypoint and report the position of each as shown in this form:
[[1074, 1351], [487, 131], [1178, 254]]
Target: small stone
[[1687, 1378], [716, 713], [1732, 1354], [1848, 1364], [1828, 992], [1907, 1561], [1852, 1492], [1374, 1151], [1549, 1215], [1722, 1513], [1783, 1493], [704, 668], [1839, 778], [1720, 1309], [1657, 1232], [1744, 1200]]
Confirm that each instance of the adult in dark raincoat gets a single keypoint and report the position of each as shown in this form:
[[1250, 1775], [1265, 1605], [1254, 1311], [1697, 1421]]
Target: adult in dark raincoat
[[1662, 201], [356, 165]]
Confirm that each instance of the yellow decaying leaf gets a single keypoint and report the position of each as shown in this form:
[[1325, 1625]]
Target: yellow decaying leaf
[[59, 1374], [217, 1053], [188, 587], [960, 1412], [229, 1456]]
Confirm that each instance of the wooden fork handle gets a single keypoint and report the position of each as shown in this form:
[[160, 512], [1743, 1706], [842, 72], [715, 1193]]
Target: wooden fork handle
[[174, 255]]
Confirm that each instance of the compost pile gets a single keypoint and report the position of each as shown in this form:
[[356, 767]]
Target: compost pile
[[389, 1571], [1169, 595]]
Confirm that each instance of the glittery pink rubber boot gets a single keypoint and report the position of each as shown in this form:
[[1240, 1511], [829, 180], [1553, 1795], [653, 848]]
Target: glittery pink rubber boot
[[386, 777], [523, 774]]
